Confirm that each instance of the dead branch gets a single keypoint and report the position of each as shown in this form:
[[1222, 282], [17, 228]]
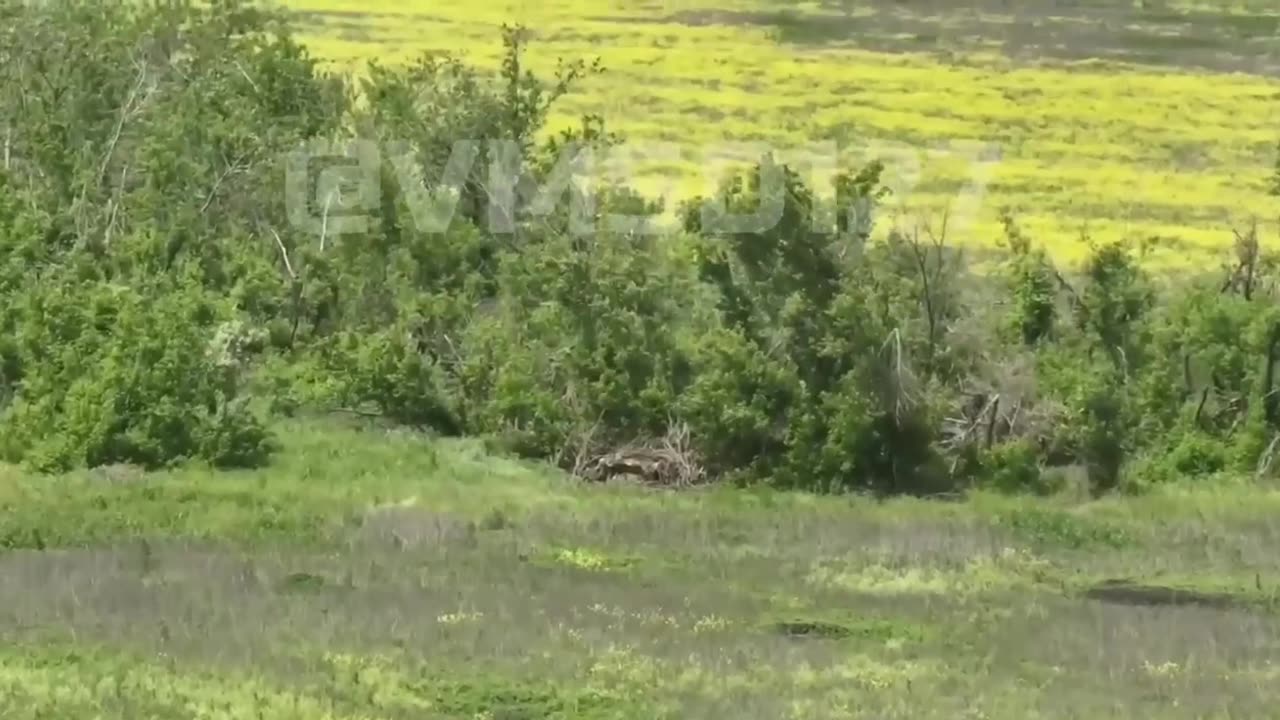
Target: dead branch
[[126, 111], [1204, 397], [1268, 377], [324, 221], [357, 411], [1267, 457], [1247, 254], [988, 411], [919, 255], [1187, 385], [668, 462], [899, 386], [1073, 296], [213, 192], [115, 207], [992, 415], [284, 254], [252, 84]]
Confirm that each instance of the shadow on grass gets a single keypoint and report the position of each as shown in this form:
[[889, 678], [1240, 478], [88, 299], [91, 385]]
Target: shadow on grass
[[1033, 30], [1128, 592]]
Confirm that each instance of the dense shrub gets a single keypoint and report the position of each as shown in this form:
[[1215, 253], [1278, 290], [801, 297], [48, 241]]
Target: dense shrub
[[154, 286], [1014, 467], [386, 369], [582, 345], [142, 165], [114, 374], [739, 403]]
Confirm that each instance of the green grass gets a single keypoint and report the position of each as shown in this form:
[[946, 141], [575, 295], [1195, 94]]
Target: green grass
[[378, 574], [374, 574], [1113, 122]]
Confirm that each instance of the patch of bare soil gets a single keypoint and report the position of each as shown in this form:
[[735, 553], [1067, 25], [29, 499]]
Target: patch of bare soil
[[1125, 592], [812, 629]]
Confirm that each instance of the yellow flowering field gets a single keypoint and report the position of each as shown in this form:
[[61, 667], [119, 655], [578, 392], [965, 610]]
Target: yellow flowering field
[[1163, 137]]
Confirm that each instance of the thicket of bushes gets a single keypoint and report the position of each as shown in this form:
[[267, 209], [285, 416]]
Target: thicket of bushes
[[156, 302]]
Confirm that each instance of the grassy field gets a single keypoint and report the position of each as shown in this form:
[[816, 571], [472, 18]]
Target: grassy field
[[376, 574], [379, 574], [1111, 120]]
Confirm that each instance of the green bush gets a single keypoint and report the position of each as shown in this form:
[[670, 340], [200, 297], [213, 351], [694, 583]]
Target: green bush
[[1032, 288], [583, 341], [1062, 529], [387, 370], [1187, 454], [1014, 467], [1196, 455], [739, 402], [112, 374]]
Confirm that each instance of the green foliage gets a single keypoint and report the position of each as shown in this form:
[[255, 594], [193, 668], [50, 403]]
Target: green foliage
[[143, 162], [1032, 290], [110, 374], [848, 442], [386, 369], [1014, 467], [1062, 529], [1196, 455], [146, 175], [1104, 443], [827, 397], [583, 341], [739, 402], [1117, 294]]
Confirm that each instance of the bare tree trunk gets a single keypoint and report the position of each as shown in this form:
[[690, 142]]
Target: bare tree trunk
[[1268, 377], [929, 282], [1204, 397], [991, 421], [1187, 386]]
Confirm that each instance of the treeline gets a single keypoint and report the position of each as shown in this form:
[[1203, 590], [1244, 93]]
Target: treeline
[[158, 299]]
